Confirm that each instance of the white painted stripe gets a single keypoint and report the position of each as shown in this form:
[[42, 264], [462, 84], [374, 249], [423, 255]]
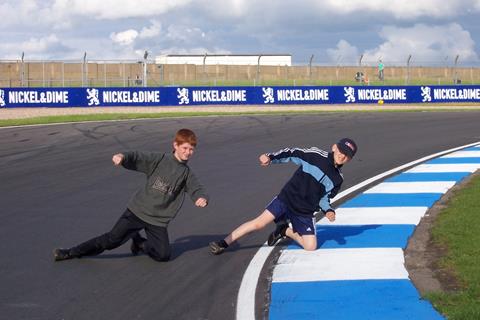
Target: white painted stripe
[[461, 167], [248, 286], [412, 187], [376, 215], [463, 154], [245, 300], [340, 264]]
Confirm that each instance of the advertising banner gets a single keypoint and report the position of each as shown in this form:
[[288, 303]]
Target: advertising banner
[[261, 95]]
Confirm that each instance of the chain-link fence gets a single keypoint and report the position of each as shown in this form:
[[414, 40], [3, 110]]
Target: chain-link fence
[[23, 73]]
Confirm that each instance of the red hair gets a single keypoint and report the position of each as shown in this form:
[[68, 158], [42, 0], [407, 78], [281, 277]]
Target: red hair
[[185, 135]]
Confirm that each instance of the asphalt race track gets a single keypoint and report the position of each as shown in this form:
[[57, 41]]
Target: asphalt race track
[[59, 187]]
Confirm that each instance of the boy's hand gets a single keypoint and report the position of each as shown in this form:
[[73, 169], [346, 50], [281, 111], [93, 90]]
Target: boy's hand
[[201, 202], [118, 159], [330, 216], [264, 160]]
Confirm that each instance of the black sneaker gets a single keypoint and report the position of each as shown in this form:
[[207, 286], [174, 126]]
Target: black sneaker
[[62, 254], [216, 247], [137, 245], [277, 235]]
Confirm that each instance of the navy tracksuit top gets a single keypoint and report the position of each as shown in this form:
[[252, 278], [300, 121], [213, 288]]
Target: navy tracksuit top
[[315, 182]]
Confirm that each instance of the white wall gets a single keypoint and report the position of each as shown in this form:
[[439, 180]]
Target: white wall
[[265, 60]]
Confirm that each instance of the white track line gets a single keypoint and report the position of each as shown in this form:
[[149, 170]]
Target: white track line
[[340, 264], [412, 187], [376, 216], [464, 154], [454, 167], [246, 293]]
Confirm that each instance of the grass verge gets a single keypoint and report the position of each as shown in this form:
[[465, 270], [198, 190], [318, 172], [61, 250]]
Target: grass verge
[[155, 115], [456, 230]]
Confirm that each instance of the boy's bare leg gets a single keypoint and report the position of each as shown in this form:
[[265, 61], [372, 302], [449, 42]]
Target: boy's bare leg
[[308, 242], [258, 223]]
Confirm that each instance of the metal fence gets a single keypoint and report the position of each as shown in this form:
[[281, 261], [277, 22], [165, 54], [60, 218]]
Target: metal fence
[[93, 73]]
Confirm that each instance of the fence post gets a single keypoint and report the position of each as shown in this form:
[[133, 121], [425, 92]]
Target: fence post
[[257, 78], [408, 69], [337, 66], [204, 69], [84, 70], [455, 72], [310, 69], [145, 55], [43, 73], [361, 69], [22, 70], [104, 73]]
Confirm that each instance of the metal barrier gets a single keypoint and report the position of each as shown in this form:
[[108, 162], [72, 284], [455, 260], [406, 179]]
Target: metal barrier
[[146, 73]]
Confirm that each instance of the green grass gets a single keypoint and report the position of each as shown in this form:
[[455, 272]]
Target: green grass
[[457, 230], [128, 116], [154, 115]]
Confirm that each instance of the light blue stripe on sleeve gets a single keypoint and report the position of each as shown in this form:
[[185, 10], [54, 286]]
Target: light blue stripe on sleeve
[[306, 167]]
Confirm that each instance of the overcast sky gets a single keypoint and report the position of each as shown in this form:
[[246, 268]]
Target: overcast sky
[[334, 31]]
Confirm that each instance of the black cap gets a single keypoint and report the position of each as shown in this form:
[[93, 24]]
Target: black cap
[[347, 146]]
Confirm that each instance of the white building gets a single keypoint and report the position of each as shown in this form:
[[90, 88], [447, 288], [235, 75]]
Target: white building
[[226, 59]]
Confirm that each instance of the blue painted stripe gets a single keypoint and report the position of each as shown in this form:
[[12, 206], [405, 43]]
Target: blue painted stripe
[[454, 160], [393, 200], [346, 300], [363, 236], [428, 176], [474, 148]]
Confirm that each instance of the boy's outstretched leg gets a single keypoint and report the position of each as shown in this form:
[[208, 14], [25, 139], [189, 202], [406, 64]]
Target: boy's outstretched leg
[[127, 225], [217, 247]]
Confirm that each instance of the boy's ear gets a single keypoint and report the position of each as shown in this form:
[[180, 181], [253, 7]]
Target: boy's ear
[[334, 148]]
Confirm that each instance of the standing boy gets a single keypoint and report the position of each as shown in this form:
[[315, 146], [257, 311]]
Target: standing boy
[[153, 206], [311, 187]]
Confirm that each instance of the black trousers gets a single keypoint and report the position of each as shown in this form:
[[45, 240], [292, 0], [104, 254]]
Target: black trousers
[[157, 245]]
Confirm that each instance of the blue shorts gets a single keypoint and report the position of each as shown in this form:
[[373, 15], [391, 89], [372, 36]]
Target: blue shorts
[[300, 224]]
